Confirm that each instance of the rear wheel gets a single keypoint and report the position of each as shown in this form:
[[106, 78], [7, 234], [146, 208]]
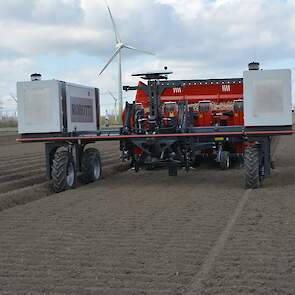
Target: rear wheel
[[91, 166], [252, 166], [224, 160], [172, 169], [63, 172]]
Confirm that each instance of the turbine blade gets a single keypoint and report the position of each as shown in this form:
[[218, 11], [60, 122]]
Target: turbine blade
[[117, 36], [139, 50], [113, 96], [109, 61], [13, 97]]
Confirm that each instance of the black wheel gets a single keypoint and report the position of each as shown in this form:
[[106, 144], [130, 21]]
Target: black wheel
[[172, 169], [91, 166], [224, 160], [252, 166], [63, 172], [197, 161]]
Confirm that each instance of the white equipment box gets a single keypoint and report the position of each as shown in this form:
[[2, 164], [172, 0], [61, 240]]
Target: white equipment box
[[267, 98], [54, 106]]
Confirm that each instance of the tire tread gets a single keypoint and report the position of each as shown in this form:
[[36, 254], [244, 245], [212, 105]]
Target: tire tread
[[88, 158], [251, 162], [59, 171]]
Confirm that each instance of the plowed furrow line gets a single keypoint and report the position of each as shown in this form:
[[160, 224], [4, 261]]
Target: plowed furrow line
[[36, 187], [29, 164], [90, 287], [21, 169], [26, 181], [4, 168], [165, 280], [12, 161], [136, 268], [97, 282], [21, 157], [19, 174], [24, 157], [24, 173]]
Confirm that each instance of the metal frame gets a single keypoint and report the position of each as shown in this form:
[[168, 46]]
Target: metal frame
[[173, 147], [199, 139], [229, 131]]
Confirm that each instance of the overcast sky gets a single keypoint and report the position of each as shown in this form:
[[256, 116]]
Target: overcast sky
[[72, 39]]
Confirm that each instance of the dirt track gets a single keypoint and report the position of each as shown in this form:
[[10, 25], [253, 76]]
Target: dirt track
[[146, 233]]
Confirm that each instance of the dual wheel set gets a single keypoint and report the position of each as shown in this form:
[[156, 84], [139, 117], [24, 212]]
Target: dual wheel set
[[253, 165], [66, 165], [65, 168]]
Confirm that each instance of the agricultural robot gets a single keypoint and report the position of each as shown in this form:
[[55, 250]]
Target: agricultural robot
[[175, 124]]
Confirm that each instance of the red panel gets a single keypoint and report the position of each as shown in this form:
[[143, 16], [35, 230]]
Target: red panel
[[141, 96], [196, 93]]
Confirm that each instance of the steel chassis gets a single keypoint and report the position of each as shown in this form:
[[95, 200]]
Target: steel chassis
[[157, 145], [198, 138]]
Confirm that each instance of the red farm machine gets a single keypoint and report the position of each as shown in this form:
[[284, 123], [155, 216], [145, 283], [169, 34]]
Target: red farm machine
[[180, 107], [172, 123]]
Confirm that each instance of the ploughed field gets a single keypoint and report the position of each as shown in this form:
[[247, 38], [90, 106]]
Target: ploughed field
[[148, 233], [22, 169]]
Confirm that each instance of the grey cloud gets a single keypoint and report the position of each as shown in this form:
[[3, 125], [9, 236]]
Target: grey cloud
[[42, 11], [211, 37], [216, 35]]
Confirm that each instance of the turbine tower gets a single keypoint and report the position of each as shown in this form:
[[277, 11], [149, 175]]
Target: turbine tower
[[119, 46], [115, 106], [1, 110]]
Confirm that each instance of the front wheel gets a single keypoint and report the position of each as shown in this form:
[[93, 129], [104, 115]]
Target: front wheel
[[253, 177], [63, 172], [224, 160], [91, 166]]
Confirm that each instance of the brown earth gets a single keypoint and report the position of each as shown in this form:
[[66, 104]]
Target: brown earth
[[22, 169], [147, 233]]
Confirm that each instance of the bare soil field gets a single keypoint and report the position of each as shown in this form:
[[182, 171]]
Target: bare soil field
[[22, 169], [148, 233]]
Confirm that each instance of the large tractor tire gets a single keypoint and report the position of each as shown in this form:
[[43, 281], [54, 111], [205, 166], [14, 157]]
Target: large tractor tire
[[91, 166], [252, 166], [63, 172], [224, 160]]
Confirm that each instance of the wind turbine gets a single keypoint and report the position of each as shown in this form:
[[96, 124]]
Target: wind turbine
[[119, 46], [1, 110], [12, 96], [115, 107]]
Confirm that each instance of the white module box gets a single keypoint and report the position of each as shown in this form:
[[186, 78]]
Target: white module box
[[54, 106], [267, 98]]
